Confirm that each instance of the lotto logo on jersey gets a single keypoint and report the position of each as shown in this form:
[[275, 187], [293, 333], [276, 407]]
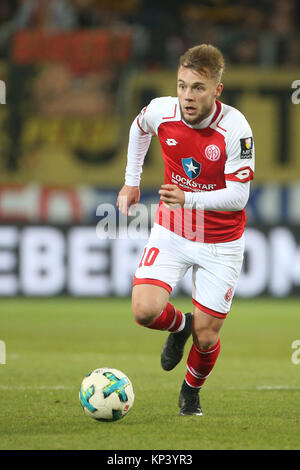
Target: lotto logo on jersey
[[212, 152], [171, 142], [191, 167], [246, 147]]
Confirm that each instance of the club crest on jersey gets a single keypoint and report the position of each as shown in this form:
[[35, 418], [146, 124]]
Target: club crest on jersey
[[212, 152], [191, 167], [246, 147]]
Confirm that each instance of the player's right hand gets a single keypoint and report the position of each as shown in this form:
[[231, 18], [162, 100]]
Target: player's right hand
[[128, 197]]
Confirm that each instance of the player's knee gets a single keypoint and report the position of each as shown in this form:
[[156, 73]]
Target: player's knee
[[205, 338], [144, 312]]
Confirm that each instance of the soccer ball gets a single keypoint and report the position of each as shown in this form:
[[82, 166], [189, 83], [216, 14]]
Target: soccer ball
[[106, 394]]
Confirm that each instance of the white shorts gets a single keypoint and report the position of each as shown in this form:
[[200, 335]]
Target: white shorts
[[216, 268]]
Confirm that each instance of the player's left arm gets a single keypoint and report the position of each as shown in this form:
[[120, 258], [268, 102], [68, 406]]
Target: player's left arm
[[232, 198]]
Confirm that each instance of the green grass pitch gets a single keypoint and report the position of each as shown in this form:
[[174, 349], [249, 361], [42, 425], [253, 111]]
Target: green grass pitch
[[250, 401]]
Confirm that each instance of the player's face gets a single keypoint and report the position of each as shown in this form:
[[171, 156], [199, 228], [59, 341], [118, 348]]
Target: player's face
[[197, 94]]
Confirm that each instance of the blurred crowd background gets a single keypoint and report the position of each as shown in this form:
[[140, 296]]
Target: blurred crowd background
[[260, 32], [75, 73]]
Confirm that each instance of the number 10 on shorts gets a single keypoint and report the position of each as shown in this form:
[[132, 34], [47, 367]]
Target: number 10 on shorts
[[149, 256]]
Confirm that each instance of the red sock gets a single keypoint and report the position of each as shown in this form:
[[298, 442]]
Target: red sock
[[200, 364], [169, 319]]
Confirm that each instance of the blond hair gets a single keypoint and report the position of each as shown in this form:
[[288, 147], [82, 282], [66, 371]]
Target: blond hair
[[205, 59]]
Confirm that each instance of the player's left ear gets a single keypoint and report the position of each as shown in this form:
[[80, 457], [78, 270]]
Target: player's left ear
[[219, 90]]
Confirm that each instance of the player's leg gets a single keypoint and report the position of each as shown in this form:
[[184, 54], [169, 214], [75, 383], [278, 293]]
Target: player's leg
[[201, 360], [205, 349], [214, 284], [206, 329], [159, 271], [148, 301], [152, 309]]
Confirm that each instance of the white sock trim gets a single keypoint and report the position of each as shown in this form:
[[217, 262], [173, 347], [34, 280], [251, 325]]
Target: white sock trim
[[182, 324]]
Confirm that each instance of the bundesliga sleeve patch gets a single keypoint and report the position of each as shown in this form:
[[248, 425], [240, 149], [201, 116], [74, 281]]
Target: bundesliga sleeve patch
[[246, 147]]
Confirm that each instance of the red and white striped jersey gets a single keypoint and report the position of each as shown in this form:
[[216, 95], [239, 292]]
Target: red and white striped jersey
[[220, 149]]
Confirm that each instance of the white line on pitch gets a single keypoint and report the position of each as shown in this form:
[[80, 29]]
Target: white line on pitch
[[277, 387], [37, 387]]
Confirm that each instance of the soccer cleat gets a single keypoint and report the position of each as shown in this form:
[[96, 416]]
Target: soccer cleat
[[173, 348], [189, 401]]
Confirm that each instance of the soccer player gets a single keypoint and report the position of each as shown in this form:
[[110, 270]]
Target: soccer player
[[208, 151]]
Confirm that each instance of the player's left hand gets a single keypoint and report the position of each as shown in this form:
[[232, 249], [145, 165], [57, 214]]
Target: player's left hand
[[171, 195]]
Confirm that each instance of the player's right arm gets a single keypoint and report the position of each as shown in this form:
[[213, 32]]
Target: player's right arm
[[128, 196], [139, 141]]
